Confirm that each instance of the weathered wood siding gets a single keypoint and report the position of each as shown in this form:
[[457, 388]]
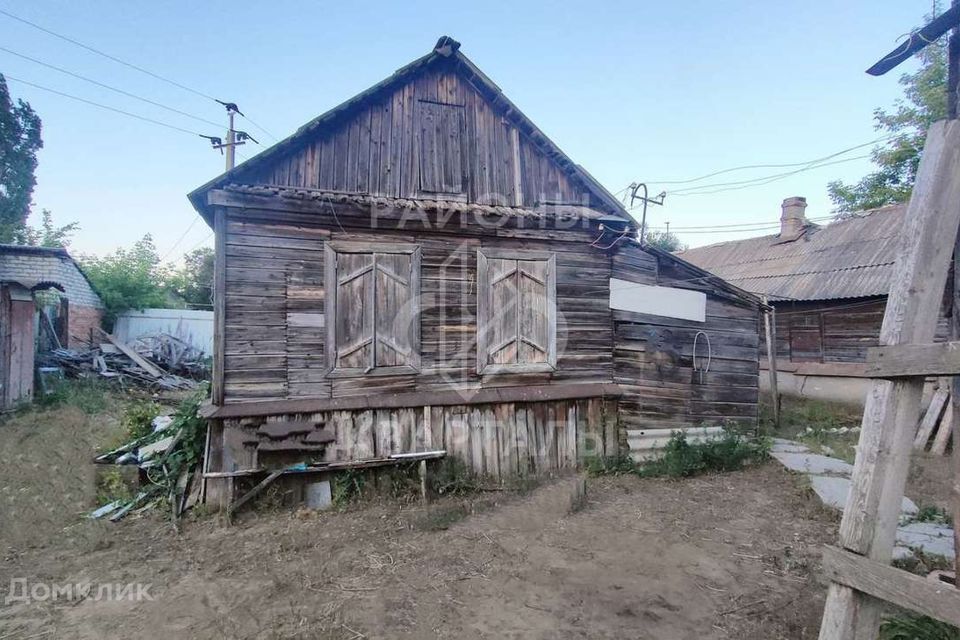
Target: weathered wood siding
[[275, 323], [653, 355], [435, 137], [832, 331], [495, 440]]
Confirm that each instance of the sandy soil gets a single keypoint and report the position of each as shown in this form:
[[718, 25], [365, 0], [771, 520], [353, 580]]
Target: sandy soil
[[720, 556]]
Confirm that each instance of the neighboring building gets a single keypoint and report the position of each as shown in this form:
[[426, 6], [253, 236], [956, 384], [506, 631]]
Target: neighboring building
[[37, 283], [829, 287], [422, 268]]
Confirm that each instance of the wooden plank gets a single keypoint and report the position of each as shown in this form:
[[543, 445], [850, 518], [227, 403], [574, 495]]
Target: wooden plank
[[939, 446], [932, 598], [904, 360], [892, 407], [490, 395], [219, 305], [144, 364], [931, 418]]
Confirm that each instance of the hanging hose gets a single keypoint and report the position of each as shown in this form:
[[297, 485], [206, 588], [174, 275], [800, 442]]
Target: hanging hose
[[706, 368]]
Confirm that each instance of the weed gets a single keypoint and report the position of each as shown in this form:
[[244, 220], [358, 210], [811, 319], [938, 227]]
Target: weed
[[933, 513], [90, 395], [452, 477], [348, 486], [112, 486], [917, 627], [442, 518], [138, 418], [681, 459]]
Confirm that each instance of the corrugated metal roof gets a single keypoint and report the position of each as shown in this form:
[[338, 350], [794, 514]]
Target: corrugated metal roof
[[851, 258]]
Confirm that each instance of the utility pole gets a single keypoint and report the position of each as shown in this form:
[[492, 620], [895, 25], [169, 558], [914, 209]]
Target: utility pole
[[235, 138], [231, 138]]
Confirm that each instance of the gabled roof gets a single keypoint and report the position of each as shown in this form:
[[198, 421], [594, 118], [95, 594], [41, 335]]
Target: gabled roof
[[851, 258], [41, 267], [446, 51]]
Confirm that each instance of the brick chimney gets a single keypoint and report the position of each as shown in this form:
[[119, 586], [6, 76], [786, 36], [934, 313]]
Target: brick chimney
[[792, 219]]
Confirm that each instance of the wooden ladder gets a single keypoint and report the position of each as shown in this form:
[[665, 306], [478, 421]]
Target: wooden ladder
[[859, 570]]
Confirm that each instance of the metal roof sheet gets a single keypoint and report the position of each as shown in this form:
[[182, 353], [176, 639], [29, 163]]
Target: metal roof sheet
[[851, 258]]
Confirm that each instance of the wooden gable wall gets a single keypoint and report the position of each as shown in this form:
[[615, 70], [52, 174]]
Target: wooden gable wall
[[418, 136]]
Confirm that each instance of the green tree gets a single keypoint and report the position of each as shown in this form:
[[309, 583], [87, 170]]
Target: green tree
[[128, 279], [664, 240], [47, 235], [924, 102], [19, 142], [193, 282]]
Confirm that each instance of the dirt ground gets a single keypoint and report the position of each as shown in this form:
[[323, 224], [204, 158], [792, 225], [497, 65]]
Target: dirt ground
[[713, 557], [720, 556]]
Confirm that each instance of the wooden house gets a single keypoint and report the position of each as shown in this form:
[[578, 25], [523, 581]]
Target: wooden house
[[422, 268], [828, 285]]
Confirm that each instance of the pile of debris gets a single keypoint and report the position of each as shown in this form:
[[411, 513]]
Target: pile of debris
[[169, 462], [140, 365], [173, 354]]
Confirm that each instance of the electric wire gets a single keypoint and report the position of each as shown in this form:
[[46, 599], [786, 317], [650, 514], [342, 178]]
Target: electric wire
[[179, 240], [106, 55], [776, 166], [101, 106], [111, 88]]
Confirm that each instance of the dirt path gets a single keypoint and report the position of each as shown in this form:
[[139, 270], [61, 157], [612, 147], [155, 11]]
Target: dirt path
[[732, 555]]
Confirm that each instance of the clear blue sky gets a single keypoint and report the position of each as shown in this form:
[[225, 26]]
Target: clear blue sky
[[632, 91]]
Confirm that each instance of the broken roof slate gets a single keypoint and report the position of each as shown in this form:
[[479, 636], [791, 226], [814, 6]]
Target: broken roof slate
[[851, 258]]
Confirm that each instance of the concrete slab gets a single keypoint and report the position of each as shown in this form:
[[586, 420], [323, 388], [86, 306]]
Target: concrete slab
[[788, 446], [931, 538], [833, 492], [813, 463]]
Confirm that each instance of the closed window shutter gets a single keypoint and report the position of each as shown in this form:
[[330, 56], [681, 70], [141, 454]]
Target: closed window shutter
[[516, 313], [441, 160], [502, 320], [394, 310], [355, 317], [373, 309], [534, 330]]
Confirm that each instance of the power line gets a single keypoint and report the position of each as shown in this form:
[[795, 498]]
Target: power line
[[247, 118], [745, 225], [179, 240], [111, 88], [756, 182], [102, 106], [775, 166], [107, 55]]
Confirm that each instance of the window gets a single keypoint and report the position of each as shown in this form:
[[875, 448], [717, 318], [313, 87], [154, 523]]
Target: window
[[372, 308], [516, 311], [441, 161]]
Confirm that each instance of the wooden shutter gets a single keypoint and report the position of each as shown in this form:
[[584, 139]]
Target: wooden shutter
[[516, 311], [373, 310], [441, 160], [354, 312]]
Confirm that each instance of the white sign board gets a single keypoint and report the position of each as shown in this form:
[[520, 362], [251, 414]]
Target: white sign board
[[658, 301]]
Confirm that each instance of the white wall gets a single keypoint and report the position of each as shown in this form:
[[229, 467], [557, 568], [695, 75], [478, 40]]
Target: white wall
[[190, 325]]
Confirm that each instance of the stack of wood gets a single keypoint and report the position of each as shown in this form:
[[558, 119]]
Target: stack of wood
[[173, 354], [937, 423]]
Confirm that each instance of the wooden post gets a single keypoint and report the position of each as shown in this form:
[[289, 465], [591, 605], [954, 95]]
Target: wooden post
[[219, 304], [892, 407], [953, 86], [770, 328]]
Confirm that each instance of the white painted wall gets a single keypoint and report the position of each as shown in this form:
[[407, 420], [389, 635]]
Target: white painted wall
[[190, 325], [667, 302]]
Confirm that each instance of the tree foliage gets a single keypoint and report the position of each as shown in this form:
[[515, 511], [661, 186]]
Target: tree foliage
[[664, 240], [19, 142], [128, 278], [47, 235], [924, 102], [193, 282]]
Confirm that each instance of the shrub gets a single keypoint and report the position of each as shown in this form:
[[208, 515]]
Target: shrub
[[681, 459], [138, 419], [917, 627]]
